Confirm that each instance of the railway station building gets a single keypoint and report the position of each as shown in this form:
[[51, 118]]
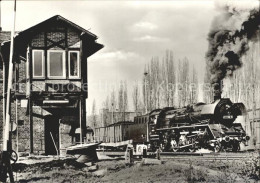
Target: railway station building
[[50, 83]]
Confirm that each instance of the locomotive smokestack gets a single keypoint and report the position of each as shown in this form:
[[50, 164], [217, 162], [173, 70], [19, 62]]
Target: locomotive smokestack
[[217, 90]]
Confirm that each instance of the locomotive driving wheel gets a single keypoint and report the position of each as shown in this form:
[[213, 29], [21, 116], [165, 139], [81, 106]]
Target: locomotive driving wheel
[[217, 147], [192, 148], [164, 142], [235, 146], [174, 145], [192, 145]]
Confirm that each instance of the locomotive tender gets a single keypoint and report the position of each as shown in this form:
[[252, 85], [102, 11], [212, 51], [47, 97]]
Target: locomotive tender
[[209, 126]]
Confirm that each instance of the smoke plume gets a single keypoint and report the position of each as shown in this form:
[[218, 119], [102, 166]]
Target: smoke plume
[[229, 40]]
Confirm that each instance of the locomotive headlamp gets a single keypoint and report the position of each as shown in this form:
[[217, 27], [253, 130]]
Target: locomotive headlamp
[[228, 107]]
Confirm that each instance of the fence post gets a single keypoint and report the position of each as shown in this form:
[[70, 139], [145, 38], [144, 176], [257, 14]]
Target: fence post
[[129, 155], [158, 154], [144, 153]]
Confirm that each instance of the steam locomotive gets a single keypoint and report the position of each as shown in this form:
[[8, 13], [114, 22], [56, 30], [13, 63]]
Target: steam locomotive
[[209, 126]]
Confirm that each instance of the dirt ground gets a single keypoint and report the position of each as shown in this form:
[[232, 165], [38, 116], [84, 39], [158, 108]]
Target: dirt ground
[[116, 170]]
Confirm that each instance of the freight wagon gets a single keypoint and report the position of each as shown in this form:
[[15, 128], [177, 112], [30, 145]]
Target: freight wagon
[[123, 131]]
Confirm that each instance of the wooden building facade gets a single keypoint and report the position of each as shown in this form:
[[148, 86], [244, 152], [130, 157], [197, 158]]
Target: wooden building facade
[[50, 84]]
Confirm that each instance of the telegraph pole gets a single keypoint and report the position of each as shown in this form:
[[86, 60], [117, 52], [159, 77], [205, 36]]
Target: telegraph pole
[[6, 154], [146, 103], [258, 50], [145, 91], [112, 118]]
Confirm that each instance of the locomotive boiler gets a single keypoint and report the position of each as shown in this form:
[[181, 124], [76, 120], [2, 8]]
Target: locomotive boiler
[[209, 126]]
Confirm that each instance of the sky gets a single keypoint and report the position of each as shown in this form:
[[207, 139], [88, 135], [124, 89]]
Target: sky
[[132, 32]]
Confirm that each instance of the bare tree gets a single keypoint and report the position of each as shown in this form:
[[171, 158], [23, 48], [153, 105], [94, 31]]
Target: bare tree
[[171, 78], [125, 99], [136, 97], [113, 106], [145, 88], [207, 89], [94, 114], [194, 86], [159, 82], [106, 103], [121, 101], [105, 112], [168, 79], [183, 79]]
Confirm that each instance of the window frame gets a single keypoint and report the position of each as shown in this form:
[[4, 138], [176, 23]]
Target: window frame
[[63, 65], [78, 62], [43, 64]]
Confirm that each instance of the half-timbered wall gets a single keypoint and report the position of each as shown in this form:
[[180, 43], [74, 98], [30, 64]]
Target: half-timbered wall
[[31, 128], [58, 38]]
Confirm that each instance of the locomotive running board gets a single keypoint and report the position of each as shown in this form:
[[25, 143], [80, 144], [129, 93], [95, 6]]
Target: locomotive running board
[[180, 147], [181, 127]]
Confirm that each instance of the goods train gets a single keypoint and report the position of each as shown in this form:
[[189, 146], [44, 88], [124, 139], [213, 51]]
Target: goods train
[[209, 126]]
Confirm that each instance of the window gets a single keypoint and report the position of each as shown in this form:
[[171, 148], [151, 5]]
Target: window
[[38, 63], [56, 64], [73, 64]]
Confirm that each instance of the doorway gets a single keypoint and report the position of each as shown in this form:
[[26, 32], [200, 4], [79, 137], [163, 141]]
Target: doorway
[[51, 126]]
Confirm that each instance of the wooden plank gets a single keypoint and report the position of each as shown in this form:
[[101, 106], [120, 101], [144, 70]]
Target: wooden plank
[[22, 58], [80, 120], [28, 86], [82, 146], [84, 68], [66, 53], [4, 89], [31, 125], [117, 144], [57, 81], [45, 55], [111, 153], [84, 115], [56, 44]]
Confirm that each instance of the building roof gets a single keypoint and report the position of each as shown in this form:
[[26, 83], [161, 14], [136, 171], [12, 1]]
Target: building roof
[[4, 36], [54, 20], [23, 37]]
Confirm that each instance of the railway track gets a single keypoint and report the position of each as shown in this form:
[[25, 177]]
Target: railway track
[[187, 156], [208, 156]]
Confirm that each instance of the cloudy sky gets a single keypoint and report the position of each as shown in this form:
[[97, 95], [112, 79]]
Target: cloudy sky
[[131, 31]]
